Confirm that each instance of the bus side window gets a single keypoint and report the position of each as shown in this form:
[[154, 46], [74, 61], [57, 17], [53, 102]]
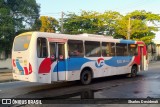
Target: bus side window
[[75, 48], [61, 51], [108, 49], [42, 50], [105, 49], [92, 49], [121, 49], [112, 51], [132, 49]]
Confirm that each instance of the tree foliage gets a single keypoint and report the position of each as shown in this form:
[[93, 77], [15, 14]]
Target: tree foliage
[[48, 24], [90, 22], [87, 22], [15, 16], [139, 27], [114, 24]]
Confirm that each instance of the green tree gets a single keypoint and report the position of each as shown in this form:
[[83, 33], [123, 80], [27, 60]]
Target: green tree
[[37, 25], [48, 24], [72, 24], [114, 24], [107, 22], [87, 22], [91, 22], [15, 16], [139, 28]]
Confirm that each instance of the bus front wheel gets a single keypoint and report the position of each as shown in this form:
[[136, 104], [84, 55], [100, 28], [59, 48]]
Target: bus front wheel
[[86, 77]]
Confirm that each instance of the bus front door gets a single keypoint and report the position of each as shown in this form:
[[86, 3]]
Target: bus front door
[[141, 58], [58, 66]]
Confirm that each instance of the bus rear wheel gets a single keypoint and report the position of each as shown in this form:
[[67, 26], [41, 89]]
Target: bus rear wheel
[[86, 77], [134, 71]]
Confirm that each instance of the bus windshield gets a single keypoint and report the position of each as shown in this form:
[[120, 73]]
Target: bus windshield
[[21, 43]]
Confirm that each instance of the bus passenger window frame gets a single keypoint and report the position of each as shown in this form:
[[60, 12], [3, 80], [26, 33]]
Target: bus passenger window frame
[[39, 48], [95, 45], [129, 51], [121, 49], [74, 52], [111, 51]]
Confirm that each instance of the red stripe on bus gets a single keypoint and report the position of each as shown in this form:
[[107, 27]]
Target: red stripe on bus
[[30, 69], [45, 66], [57, 40], [13, 63], [26, 71]]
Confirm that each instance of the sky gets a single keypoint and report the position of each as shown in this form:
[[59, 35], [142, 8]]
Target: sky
[[54, 8]]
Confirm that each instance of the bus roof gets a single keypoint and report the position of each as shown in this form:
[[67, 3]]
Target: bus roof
[[26, 33], [89, 37]]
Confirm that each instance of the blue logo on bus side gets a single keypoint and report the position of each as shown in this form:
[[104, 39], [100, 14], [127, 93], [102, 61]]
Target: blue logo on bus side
[[99, 63]]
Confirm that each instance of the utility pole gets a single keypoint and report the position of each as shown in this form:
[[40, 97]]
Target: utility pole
[[62, 14], [129, 29]]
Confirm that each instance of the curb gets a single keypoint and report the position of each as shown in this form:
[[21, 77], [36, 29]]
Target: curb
[[8, 80], [5, 70]]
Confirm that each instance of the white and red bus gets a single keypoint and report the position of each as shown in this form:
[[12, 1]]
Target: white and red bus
[[50, 57]]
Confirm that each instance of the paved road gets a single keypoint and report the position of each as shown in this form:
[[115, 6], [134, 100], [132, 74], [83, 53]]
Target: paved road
[[145, 85]]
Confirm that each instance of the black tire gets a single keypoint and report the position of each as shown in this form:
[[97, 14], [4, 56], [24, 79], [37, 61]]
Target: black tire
[[86, 77], [134, 71]]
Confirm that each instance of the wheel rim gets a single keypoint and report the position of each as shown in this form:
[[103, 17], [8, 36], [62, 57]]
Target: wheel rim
[[85, 77], [134, 71]]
